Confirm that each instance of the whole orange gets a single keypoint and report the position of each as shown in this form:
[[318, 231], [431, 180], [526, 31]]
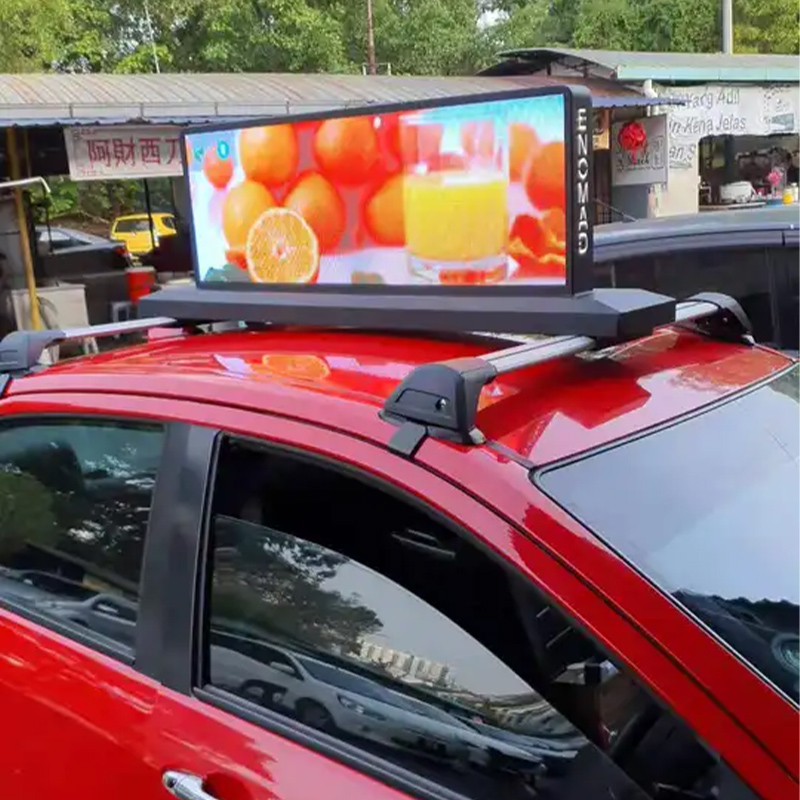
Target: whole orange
[[319, 204], [243, 205], [383, 214], [219, 171], [545, 177], [269, 154], [347, 149], [523, 143]]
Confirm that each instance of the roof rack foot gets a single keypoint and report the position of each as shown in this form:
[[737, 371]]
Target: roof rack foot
[[407, 439], [728, 323]]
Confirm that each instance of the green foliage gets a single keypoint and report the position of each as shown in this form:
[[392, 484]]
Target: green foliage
[[26, 512], [766, 26]]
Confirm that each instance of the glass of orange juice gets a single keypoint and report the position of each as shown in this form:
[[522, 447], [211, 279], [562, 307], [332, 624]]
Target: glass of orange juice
[[455, 202]]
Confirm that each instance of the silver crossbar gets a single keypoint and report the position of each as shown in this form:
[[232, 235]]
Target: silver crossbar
[[554, 347]]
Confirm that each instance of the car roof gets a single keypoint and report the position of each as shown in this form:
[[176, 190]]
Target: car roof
[[87, 237], [777, 218], [542, 413], [154, 215]]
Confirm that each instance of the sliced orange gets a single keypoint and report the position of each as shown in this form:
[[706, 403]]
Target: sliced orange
[[282, 248]]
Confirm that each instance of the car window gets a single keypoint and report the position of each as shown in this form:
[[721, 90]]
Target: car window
[[416, 647], [168, 222], [742, 273], [75, 499], [132, 226], [718, 530], [787, 289]]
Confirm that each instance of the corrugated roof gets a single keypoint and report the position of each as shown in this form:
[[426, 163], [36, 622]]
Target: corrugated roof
[[31, 100], [670, 67]]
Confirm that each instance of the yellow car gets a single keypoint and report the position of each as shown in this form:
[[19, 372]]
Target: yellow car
[[134, 231]]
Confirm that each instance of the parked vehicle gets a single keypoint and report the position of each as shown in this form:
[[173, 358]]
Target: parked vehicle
[[135, 231], [249, 476], [95, 251], [750, 254]]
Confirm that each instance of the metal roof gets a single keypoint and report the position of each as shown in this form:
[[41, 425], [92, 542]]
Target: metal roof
[[53, 99], [668, 67]]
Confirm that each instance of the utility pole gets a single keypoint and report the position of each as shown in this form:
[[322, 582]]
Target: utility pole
[[152, 37], [372, 64], [727, 26]]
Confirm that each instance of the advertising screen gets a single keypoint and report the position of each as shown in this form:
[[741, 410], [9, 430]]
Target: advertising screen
[[474, 192]]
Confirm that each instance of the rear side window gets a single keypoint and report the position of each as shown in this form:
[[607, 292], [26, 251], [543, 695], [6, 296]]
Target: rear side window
[[75, 500], [132, 226], [707, 509]]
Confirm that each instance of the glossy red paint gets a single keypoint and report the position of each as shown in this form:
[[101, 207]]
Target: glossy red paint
[[77, 723], [341, 380]]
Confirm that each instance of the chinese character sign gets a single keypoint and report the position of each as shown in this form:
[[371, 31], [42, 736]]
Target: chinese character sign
[[454, 195], [113, 153]]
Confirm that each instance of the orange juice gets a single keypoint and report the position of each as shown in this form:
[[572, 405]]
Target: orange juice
[[458, 217]]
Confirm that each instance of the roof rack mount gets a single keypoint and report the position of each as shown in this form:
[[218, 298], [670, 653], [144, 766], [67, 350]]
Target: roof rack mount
[[441, 399], [21, 351]]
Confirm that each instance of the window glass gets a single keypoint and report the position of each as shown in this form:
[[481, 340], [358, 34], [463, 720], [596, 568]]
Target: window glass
[[718, 529], [359, 616], [75, 499], [741, 273], [132, 226], [787, 283]]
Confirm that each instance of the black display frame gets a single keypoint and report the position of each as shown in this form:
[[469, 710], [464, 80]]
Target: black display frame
[[371, 297]]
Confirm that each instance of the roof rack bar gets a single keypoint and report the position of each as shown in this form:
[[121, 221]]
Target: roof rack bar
[[441, 399], [525, 355], [21, 351]]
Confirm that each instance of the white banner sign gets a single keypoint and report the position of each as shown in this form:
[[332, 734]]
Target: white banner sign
[[123, 152], [648, 165], [720, 110]]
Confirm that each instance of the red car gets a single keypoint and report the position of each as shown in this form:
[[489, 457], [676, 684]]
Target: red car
[[237, 566]]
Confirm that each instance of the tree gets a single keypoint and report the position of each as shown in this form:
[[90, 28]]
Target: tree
[[766, 26], [32, 33], [278, 584]]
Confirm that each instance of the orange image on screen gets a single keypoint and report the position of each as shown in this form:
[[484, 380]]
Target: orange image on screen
[[461, 196]]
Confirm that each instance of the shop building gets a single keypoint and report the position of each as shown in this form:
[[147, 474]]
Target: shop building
[[730, 129]]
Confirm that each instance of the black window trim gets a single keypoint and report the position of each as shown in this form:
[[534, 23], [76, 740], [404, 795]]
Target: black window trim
[[86, 637], [536, 475]]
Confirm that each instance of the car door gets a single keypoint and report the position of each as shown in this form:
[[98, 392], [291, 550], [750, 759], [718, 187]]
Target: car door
[[78, 483], [323, 546]]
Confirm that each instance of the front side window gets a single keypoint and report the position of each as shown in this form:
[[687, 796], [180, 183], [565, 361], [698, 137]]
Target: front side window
[[75, 500], [707, 509], [352, 613]]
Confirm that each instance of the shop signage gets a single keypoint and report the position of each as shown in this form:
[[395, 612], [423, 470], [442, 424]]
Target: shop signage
[[123, 152], [646, 166], [727, 110]]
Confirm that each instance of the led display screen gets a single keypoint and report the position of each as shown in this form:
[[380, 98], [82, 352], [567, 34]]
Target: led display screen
[[472, 192]]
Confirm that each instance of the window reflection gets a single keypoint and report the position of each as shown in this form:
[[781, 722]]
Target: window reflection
[[354, 614], [307, 632]]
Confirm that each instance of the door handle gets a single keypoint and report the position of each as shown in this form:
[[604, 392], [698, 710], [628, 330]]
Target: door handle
[[185, 786]]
